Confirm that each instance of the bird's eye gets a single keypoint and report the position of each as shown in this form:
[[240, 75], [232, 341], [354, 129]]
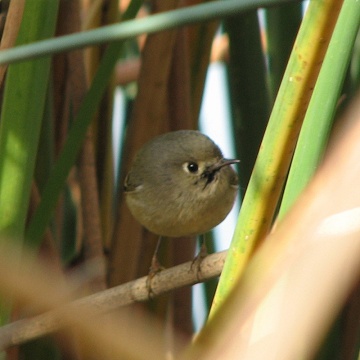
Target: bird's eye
[[192, 167]]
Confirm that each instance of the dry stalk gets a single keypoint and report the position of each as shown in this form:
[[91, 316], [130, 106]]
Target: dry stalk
[[108, 300]]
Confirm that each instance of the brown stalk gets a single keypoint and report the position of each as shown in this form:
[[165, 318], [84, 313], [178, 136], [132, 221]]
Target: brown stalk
[[93, 248], [11, 29], [101, 13], [179, 99], [109, 300], [149, 118]]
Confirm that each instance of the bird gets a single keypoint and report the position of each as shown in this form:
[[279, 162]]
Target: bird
[[180, 185]]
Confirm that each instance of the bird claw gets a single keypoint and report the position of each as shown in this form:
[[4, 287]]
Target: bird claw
[[155, 268], [202, 254]]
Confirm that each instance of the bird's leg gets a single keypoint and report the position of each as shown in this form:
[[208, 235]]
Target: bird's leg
[[203, 249], [155, 267], [200, 256]]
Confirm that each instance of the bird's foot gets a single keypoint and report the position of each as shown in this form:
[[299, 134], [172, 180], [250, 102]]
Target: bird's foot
[[155, 268], [196, 263]]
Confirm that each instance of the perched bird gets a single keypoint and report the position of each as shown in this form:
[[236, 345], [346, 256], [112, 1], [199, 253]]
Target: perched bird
[[180, 184]]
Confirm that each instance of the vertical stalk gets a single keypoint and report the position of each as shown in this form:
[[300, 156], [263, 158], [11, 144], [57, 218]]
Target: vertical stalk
[[279, 141]]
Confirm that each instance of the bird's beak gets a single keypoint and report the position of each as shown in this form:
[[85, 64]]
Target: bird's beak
[[223, 162]]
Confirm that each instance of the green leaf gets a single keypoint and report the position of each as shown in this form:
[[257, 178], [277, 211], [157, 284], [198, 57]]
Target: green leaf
[[319, 117], [21, 116]]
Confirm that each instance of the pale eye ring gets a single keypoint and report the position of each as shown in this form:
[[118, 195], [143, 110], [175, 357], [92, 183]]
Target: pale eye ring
[[192, 167]]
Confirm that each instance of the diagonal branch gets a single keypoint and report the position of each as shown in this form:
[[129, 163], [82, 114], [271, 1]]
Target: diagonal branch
[[178, 276]]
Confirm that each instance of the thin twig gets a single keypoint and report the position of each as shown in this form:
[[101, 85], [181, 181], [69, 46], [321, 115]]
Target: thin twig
[[185, 274]]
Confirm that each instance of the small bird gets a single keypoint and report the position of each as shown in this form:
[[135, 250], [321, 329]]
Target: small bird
[[180, 184]]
